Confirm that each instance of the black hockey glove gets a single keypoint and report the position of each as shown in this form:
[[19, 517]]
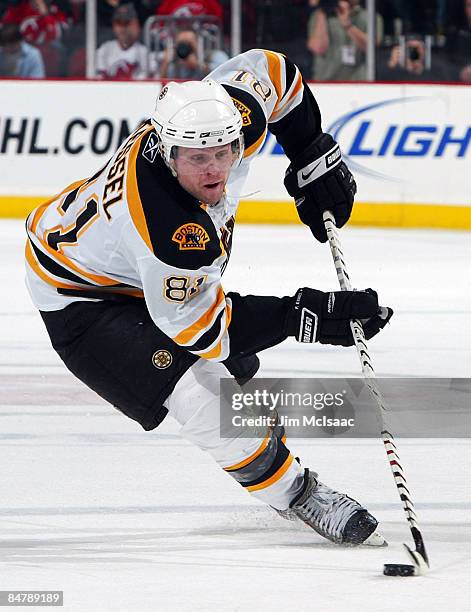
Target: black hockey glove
[[319, 180], [315, 316], [242, 368]]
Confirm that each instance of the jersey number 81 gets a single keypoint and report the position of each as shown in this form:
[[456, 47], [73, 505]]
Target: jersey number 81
[[181, 288]]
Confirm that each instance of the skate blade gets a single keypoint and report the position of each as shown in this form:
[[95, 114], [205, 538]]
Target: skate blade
[[375, 539]]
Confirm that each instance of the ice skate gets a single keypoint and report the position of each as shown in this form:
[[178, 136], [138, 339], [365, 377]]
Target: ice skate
[[333, 515]]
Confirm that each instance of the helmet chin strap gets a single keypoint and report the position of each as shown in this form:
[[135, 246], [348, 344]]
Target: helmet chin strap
[[171, 167]]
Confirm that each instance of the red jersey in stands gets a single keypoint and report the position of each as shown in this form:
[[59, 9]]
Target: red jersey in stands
[[35, 27], [185, 8]]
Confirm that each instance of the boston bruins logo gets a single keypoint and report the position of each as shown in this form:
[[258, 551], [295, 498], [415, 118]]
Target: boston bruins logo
[[162, 359], [244, 112], [191, 237]]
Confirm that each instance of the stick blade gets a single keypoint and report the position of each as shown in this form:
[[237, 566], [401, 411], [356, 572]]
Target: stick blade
[[421, 565]]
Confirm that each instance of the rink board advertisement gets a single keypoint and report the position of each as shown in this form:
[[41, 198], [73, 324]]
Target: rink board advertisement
[[409, 147]]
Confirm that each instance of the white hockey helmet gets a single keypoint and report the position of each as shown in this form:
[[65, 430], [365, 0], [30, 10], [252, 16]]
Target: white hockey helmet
[[196, 114]]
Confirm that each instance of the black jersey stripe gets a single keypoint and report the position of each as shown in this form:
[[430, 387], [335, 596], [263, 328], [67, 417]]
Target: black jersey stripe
[[100, 294], [96, 292], [300, 126], [290, 73], [254, 122], [57, 269], [209, 336], [281, 456], [70, 198]]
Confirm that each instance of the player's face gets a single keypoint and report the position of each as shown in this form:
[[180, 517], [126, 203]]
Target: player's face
[[204, 172]]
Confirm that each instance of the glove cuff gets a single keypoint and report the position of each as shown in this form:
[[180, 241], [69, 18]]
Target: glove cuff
[[303, 322], [320, 157]]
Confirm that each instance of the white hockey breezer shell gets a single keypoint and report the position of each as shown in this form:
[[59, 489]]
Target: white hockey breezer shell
[[196, 114]]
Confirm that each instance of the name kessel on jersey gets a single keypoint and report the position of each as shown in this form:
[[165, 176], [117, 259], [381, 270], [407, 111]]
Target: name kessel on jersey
[[151, 148]]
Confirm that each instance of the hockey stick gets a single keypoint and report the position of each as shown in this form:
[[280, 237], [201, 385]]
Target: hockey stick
[[419, 555]]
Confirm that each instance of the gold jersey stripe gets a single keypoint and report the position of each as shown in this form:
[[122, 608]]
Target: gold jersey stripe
[[293, 94], [68, 263], [60, 257], [274, 72], [244, 462], [186, 335], [215, 352], [35, 266], [136, 209], [38, 213], [276, 476], [253, 147]]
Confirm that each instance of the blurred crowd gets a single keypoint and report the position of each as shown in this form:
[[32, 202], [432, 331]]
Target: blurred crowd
[[46, 38], [423, 40], [415, 41]]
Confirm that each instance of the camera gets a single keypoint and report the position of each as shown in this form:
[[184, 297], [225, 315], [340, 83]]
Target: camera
[[413, 54], [183, 49]]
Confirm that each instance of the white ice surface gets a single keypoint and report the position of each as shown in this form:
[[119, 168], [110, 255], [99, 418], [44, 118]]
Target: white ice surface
[[120, 519]]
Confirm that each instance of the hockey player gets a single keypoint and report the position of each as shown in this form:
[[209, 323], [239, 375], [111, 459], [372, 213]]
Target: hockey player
[[125, 268]]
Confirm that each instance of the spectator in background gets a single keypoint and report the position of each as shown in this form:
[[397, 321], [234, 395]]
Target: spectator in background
[[459, 47], [125, 57], [337, 37], [40, 21], [106, 8], [190, 8], [410, 64], [18, 59], [406, 68], [180, 61]]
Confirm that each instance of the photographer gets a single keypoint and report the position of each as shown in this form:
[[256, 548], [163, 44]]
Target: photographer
[[181, 61], [408, 63], [337, 37]]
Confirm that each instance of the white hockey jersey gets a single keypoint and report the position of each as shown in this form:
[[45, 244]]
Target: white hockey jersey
[[133, 63], [132, 230]]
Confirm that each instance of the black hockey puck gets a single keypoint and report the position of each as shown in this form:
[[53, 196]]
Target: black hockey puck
[[398, 569]]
